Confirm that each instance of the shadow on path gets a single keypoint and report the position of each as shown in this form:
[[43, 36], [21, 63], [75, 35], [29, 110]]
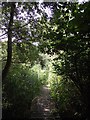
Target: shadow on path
[[43, 107]]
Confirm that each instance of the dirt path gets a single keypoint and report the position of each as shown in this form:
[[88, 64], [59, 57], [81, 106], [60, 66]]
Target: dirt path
[[43, 107]]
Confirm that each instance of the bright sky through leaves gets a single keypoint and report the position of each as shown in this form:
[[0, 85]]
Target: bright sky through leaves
[[46, 10]]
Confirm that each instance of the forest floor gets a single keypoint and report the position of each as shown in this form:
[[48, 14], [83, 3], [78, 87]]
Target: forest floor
[[43, 107]]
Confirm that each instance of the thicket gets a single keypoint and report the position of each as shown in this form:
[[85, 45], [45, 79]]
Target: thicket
[[22, 86]]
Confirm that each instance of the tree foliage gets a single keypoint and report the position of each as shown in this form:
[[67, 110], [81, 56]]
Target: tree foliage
[[67, 35], [64, 40]]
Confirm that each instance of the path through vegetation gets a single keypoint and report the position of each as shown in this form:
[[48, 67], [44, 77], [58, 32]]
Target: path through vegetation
[[43, 107]]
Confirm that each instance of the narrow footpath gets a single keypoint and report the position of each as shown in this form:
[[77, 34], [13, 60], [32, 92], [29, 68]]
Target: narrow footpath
[[43, 108]]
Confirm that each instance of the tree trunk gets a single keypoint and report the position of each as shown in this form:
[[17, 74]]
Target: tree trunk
[[9, 43]]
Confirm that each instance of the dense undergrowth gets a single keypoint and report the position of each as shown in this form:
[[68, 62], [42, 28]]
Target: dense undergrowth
[[23, 84], [68, 100]]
